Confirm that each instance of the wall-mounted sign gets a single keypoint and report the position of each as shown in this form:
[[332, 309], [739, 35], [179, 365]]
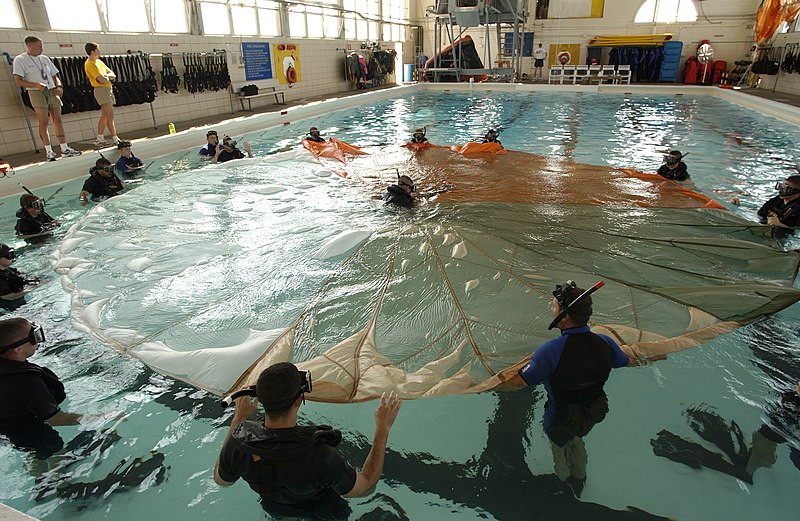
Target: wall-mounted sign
[[257, 61], [287, 56]]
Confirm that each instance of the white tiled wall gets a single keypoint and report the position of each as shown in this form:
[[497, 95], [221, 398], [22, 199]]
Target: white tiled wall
[[321, 67]]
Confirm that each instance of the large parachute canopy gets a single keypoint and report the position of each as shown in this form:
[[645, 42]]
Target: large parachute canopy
[[214, 275]]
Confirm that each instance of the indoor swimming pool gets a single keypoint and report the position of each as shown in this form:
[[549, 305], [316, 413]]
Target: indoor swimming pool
[[198, 268]]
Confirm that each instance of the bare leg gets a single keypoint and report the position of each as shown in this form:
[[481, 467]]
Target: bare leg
[[55, 114], [108, 114], [42, 117], [101, 123]]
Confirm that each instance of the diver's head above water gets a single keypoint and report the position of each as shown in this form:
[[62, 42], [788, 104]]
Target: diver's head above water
[[567, 300], [491, 136], [789, 189], [673, 158], [406, 183]]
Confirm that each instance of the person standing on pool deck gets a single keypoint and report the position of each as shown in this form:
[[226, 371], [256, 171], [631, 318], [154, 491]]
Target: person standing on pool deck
[[539, 55], [100, 76]]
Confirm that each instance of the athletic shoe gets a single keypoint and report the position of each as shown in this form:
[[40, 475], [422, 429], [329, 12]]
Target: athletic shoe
[[69, 152], [51, 156], [100, 142]]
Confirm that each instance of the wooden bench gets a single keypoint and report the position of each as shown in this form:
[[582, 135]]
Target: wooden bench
[[268, 91]]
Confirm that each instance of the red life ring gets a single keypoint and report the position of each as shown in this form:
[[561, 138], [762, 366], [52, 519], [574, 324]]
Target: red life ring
[[564, 57], [291, 75]]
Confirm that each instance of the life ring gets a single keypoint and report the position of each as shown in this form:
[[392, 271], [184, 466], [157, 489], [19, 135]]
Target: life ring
[[291, 75], [564, 57]]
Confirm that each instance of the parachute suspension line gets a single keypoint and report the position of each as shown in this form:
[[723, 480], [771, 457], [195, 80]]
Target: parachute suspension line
[[371, 324], [463, 315]]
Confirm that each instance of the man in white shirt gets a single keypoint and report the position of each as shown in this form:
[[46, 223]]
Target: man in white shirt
[[37, 74], [539, 55]]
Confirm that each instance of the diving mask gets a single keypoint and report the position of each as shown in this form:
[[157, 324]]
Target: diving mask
[[560, 293], [785, 190], [35, 336], [671, 160], [38, 204]]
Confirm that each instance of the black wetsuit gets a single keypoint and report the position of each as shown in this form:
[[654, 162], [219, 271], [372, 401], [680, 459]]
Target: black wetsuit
[[30, 395], [102, 186], [11, 281], [293, 470], [677, 174], [418, 141], [318, 139], [227, 156], [787, 213], [396, 195], [27, 225]]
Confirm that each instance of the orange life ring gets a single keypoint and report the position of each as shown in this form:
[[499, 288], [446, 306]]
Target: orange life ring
[[291, 75], [564, 57]]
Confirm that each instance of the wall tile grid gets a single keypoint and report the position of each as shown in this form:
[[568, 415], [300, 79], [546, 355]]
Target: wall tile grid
[[322, 69]]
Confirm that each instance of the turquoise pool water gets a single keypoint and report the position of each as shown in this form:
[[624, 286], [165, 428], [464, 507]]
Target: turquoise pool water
[[477, 456]]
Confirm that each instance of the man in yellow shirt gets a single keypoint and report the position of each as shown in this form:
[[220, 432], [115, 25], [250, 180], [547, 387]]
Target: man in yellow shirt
[[100, 76]]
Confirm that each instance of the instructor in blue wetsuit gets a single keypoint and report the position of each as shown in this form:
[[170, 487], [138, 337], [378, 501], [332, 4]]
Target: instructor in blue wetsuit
[[573, 368]]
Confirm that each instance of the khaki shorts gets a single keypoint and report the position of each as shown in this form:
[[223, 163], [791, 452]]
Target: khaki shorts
[[104, 95], [44, 99]]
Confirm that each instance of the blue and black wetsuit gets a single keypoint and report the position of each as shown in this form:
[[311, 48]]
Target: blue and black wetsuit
[[574, 368]]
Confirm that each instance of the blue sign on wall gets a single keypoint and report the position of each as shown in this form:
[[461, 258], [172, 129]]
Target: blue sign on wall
[[257, 61]]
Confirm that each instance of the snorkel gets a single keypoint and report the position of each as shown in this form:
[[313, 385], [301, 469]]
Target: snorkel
[[565, 308]]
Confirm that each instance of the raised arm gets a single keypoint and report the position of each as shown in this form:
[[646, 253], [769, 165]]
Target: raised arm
[[385, 415]]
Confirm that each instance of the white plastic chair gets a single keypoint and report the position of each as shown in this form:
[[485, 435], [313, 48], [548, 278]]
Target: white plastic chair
[[568, 74], [581, 73], [624, 74], [555, 75], [607, 71], [594, 70]]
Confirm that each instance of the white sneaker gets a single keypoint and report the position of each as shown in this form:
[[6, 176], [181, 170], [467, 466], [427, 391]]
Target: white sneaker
[[70, 152], [51, 156], [100, 142]]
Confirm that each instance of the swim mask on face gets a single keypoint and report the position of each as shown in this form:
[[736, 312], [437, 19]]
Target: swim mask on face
[[406, 181], [560, 293], [35, 336], [313, 132], [228, 142], [671, 160], [38, 204], [785, 190], [491, 135], [7, 252]]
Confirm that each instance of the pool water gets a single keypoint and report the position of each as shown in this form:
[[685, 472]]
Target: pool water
[[474, 456]]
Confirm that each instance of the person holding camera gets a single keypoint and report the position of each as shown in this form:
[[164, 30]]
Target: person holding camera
[[229, 151], [32, 219], [102, 183], [296, 469]]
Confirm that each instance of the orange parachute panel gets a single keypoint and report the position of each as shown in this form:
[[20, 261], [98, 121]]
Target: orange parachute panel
[[333, 148], [771, 14], [473, 148]]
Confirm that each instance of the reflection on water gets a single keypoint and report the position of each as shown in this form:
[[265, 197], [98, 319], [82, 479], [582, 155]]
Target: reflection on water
[[474, 457]]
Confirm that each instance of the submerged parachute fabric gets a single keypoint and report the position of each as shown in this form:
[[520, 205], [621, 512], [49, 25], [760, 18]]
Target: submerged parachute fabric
[[275, 259]]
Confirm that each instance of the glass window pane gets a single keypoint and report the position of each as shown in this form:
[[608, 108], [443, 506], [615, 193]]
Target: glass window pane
[[362, 33], [215, 18], [373, 31], [269, 22], [126, 16], [11, 18], [645, 13], [244, 20], [77, 15], [169, 16], [686, 11], [333, 23], [396, 33], [297, 22], [387, 32], [350, 28], [314, 24]]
